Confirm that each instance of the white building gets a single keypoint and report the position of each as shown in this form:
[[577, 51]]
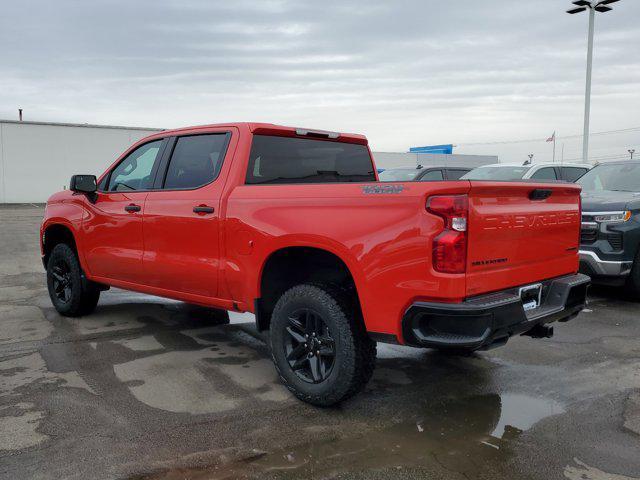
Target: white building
[[38, 158]]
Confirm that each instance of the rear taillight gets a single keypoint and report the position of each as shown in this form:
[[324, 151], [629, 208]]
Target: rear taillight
[[450, 246]]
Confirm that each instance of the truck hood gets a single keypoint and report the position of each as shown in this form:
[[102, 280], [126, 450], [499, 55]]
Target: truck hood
[[608, 200]]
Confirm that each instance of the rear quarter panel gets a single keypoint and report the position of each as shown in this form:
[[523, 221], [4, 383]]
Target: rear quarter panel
[[383, 238]]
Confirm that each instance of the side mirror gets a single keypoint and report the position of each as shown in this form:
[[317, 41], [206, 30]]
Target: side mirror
[[86, 184], [83, 184]]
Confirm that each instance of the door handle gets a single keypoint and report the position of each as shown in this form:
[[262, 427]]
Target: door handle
[[203, 209], [132, 208]]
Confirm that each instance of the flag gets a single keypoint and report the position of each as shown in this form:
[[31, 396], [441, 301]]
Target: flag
[[552, 138]]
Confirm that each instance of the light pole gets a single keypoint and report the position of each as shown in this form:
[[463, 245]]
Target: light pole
[[631, 152], [593, 7]]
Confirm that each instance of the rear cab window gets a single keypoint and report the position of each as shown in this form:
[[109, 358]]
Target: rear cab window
[[281, 160]]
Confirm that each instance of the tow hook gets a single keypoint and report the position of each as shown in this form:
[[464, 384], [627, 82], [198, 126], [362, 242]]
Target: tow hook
[[540, 331]]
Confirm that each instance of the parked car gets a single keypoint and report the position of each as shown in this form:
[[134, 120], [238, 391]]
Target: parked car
[[292, 225], [422, 174], [568, 172], [610, 233]]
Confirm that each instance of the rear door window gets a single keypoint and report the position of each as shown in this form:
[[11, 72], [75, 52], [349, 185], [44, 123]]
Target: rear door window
[[432, 176], [546, 173], [399, 175], [277, 160], [196, 161], [455, 174], [571, 174]]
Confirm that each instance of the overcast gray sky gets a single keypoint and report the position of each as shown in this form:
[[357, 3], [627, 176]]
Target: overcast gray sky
[[404, 73]]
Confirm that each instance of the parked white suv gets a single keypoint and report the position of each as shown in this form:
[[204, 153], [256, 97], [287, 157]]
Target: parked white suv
[[568, 172]]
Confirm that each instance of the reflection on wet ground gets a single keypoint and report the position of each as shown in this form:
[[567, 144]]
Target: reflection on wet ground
[[158, 358], [460, 435]]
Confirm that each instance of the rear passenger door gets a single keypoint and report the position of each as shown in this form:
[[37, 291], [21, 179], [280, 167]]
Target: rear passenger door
[[182, 216]]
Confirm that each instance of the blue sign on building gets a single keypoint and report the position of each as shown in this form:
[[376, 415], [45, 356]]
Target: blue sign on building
[[448, 149]]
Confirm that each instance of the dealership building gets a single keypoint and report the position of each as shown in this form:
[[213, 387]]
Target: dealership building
[[38, 158]]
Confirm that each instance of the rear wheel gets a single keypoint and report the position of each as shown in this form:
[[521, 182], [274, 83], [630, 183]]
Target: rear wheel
[[319, 346], [70, 294]]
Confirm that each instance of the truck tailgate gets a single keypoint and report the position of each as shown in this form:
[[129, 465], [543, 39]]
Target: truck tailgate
[[521, 233]]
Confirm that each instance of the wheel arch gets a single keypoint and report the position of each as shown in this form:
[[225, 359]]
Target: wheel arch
[[292, 265], [54, 234]]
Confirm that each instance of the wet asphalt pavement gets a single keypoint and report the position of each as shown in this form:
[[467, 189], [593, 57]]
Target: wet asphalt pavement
[[148, 388]]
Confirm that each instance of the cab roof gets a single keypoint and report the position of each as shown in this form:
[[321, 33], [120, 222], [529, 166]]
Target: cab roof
[[273, 129]]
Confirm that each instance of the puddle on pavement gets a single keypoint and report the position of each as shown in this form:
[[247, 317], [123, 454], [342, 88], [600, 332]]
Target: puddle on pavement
[[455, 435], [521, 412]]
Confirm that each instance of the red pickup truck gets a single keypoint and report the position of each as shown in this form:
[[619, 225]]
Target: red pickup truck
[[292, 225]]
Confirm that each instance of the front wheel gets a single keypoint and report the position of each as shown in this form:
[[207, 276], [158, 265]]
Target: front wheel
[[320, 348], [70, 294]]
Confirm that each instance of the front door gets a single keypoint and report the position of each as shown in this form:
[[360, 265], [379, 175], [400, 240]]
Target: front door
[[112, 230], [182, 217]]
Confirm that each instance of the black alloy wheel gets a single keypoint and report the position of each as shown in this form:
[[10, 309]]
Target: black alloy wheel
[[62, 280], [319, 344], [71, 294], [309, 347]]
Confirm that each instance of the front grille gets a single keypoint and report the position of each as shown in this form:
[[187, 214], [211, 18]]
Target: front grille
[[615, 240], [588, 230], [588, 236]]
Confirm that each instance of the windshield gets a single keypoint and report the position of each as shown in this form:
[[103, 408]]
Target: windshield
[[496, 173], [615, 176], [399, 175]]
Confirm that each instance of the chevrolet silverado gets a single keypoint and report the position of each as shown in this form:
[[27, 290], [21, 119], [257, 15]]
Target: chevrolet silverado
[[293, 225]]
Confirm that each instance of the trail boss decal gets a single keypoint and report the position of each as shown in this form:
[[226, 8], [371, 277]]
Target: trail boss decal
[[382, 189]]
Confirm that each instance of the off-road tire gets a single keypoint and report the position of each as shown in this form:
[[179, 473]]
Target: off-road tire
[[355, 352], [83, 296]]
